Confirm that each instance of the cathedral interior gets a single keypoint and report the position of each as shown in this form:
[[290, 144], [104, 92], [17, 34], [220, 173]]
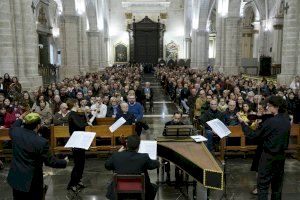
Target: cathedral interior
[[105, 46]]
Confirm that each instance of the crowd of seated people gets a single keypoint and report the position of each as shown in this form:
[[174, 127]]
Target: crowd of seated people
[[205, 95], [98, 94]]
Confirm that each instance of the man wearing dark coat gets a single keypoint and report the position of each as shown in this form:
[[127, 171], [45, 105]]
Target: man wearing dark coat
[[30, 152], [274, 133], [132, 162]]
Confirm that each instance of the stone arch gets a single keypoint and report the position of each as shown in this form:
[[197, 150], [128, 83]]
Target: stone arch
[[261, 7], [234, 8]]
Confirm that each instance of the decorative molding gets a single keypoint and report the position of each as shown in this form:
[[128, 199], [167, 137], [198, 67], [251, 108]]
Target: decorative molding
[[146, 5]]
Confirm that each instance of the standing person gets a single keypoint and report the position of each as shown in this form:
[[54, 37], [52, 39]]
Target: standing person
[[132, 162], [274, 134], [77, 122], [147, 95], [30, 151]]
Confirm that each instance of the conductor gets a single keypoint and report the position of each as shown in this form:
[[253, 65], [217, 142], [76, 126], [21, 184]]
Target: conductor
[[30, 151], [274, 134]]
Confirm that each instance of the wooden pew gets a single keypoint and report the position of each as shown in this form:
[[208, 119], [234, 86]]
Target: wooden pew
[[59, 132], [105, 121], [4, 136], [237, 132], [103, 133]]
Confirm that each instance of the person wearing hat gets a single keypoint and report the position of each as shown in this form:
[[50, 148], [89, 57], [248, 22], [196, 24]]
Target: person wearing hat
[[129, 161], [30, 152]]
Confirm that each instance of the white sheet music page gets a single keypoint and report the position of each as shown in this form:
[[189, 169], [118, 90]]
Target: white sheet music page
[[219, 127], [149, 147], [81, 140], [199, 138], [117, 124]]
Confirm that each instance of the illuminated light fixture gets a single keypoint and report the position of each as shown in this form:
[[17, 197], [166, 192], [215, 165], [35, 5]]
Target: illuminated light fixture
[[55, 32], [80, 6], [223, 7]]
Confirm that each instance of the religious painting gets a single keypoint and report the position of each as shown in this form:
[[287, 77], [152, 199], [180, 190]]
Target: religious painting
[[172, 51], [121, 53]]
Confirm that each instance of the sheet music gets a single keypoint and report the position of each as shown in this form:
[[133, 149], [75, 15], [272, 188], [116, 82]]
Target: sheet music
[[219, 127], [199, 138], [149, 147], [117, 124], [80, 139]]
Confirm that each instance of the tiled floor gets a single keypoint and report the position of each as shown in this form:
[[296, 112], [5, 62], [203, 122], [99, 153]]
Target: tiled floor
[[240, 181]]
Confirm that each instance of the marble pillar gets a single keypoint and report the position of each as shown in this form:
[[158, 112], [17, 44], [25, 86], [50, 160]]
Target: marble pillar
[[290, 43], [187, 45], [219, 43], [232, 48], [74, 42], [94, 49], [256, 32], [18, 39], [277, 41]]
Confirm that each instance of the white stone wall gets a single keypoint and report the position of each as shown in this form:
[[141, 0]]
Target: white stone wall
[[18, 42], [290, 49]]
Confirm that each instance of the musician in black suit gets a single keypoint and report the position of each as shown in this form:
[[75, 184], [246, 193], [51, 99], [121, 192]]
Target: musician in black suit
[[274, 133], [77, 122], [147, 95], [30, 151], [132, 162]]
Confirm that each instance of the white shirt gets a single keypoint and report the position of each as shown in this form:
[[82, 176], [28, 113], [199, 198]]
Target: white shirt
[[102, 110]]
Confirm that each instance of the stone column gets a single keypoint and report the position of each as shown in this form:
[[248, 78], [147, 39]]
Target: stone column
[[290, 43], [188, 10], [277, 41], [7, 39], [219, 43], [200, 43], [256, 32], [19, 52], [94, 52], [70, 49], [232, 59], [74, 41], [188, 46]]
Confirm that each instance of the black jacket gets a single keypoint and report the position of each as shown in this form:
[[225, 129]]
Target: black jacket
[[129, 117], [274, 132], [130, 162], [77, 122], [30, 151]]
